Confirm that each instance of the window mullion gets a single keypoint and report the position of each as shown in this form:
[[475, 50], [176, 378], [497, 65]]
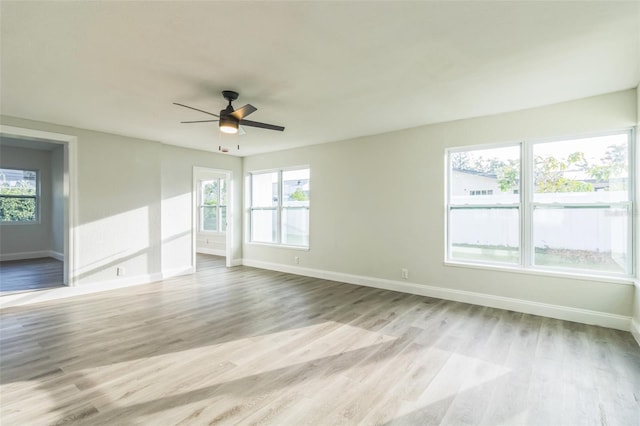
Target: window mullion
[[526, 210], [218, 211], [279, 208]]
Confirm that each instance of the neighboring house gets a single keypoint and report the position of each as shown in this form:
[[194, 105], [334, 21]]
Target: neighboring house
[[473, 183]]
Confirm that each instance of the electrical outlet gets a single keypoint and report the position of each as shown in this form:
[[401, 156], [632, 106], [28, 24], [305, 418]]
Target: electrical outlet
[[405, 273], [296, 260], [120, 271]]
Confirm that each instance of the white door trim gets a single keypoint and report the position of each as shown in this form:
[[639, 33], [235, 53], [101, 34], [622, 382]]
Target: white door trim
[[70, 184], [228, 175]]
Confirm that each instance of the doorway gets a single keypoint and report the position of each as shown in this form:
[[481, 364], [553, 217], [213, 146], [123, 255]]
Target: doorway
[[39, 254], [213, 227]]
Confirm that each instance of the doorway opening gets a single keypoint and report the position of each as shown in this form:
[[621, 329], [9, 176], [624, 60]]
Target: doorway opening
[[38, 181], [212, 230]]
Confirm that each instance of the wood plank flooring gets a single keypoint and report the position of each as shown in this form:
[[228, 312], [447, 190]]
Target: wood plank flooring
[[248, 346], [30, 274], [207, 261]]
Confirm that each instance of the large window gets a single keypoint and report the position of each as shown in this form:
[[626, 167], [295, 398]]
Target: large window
[[279, 212], [19, 196], [484, 205], [564, 205], [213, 205]]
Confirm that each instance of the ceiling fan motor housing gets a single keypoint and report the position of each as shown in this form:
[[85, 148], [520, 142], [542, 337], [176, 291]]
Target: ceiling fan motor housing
[[230, 95]]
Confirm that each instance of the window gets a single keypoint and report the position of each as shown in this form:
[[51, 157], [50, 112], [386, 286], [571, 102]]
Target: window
[[581, 204], [19, 195], [279, 212], [484, 224], [570, 210], [213, 205]]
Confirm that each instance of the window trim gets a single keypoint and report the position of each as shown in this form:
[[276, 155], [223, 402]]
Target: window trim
[[37, 197], [278, 208], [527, 207]]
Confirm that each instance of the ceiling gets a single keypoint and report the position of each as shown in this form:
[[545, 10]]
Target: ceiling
[[327, 71]]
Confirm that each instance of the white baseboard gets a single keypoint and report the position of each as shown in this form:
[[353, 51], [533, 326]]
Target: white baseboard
[[584, 316], [25, 255], [635, 330], [215, 252], [32, 255], [20, 299], [178, 272], [56, 255], [236, 262]]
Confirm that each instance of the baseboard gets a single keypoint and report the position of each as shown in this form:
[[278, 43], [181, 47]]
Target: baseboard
[[27, 298], [236, 262], [178, 272], [215, 252], [635, 321], [635, 330], [567, 313], [25, 255], [56, 255]]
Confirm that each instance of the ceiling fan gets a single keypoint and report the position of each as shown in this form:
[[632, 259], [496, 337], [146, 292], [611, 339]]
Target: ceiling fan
[[230, 119]]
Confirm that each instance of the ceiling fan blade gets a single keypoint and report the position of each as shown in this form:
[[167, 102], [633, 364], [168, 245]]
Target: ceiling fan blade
[[196, 109], [261, 125], [241, 113], [199, 121]]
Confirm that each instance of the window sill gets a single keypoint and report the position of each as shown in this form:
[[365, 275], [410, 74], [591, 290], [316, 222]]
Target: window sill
[[281, 246], [543, 273]]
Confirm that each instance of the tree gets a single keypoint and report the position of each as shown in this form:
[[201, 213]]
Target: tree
[[298, 195], [508, 176], [507, 173], [549, 174], [614, 164], [15, 209], [210, 194], [460, 161]]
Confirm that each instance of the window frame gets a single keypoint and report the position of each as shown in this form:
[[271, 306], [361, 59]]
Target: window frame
[[528, 206], [218, 206], [279, 208], [449, 206], [36, 198]]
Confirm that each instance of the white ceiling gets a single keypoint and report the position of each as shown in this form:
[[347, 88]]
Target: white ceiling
[[327, 71]]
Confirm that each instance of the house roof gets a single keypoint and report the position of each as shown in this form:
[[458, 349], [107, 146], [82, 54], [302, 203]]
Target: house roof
[[327, 71]]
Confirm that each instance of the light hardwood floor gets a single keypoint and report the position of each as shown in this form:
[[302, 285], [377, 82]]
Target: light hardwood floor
[[248, 346], [207, 261]]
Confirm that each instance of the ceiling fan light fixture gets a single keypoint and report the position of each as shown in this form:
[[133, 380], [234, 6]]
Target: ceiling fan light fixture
[[230, 118], [228, 125]]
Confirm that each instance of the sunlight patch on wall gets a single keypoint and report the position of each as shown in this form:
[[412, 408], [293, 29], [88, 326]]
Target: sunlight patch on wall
[[123, 237]]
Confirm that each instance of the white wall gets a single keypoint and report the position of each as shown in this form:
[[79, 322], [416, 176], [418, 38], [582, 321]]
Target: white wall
[[134, 204], [377, 205], [177, 184], [21, 241]]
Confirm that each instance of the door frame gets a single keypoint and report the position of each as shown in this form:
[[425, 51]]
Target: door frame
[[70, 189], [229, 232]]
